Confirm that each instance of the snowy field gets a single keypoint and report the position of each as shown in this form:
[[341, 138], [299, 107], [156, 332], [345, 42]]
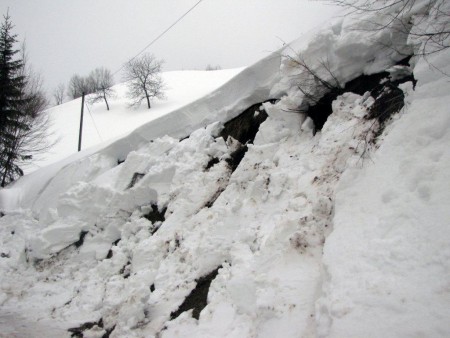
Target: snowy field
[[176, 230]]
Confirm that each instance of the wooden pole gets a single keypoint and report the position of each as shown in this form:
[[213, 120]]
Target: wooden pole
[[81, 122]]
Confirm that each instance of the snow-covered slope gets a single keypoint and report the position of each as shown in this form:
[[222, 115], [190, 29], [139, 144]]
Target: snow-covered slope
[[250, 86], [393, 217], [101, 125], [338, 232]]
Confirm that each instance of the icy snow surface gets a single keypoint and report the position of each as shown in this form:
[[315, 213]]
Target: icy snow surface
[[326, 234]]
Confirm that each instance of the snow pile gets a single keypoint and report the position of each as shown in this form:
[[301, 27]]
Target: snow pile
[[337, 232], [273, 214]]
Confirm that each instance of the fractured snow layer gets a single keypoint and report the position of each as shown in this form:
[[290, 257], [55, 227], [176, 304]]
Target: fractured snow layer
[[316, 234]]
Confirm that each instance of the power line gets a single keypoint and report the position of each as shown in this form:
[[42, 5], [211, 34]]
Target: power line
[[143, 50], [93, 121], [160, 35]]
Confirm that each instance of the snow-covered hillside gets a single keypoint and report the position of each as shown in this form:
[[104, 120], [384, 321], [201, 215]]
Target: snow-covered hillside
[[101, 125], [240, 215]]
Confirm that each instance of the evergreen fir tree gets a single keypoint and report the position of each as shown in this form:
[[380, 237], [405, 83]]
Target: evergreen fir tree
[[17, 107], [11, 86]]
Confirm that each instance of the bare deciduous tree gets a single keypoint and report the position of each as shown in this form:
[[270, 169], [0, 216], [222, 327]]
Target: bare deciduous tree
[[210, 67], [428, 22], [32, 142], [100, 82], [59, 93], [315, 79], [79, 85], [144, 80]]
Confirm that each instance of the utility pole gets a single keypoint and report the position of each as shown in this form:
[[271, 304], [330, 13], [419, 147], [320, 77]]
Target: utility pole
[[81, 121]]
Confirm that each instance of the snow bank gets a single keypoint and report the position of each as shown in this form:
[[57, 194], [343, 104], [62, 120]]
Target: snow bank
[[387, 260]]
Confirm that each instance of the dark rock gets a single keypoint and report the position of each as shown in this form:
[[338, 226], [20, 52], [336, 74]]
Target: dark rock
[[78, 331], [81, 239], [155, 215], [211, 163], [125, 271], [216, 195], [236, 157], [108, 332], [245, 126], [374, 83], [389, 102], [320, 111], [197, 299], [136, 178]]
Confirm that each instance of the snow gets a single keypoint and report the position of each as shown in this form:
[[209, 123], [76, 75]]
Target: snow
[[315, 234], [250, 86], [399, 202], [182, 87]]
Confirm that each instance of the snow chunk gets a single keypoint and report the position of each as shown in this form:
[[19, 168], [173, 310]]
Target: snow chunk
[[56, 237]]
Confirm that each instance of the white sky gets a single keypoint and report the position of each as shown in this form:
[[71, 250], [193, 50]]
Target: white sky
[[64, 37]]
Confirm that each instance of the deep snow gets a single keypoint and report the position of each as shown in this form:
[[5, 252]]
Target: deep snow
[[327, 234]]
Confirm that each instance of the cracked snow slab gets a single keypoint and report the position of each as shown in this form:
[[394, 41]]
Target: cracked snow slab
[[337, 232]]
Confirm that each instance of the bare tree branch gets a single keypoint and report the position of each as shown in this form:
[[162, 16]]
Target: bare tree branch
[[101, 81], [59, 93], [402, 16], [144, 80]]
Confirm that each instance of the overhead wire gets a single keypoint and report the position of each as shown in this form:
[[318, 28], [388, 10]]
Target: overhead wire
[[143, 50], [93, 121], [159, 36]]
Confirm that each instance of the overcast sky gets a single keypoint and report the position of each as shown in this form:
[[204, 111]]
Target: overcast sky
[[65, 37]]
